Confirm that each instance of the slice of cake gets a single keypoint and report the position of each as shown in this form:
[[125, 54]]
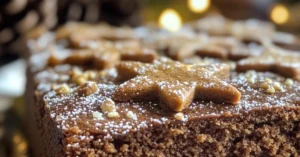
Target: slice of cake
[[116, 94]]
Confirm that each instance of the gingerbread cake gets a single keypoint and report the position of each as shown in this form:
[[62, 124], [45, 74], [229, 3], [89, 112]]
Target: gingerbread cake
[[98, 90]]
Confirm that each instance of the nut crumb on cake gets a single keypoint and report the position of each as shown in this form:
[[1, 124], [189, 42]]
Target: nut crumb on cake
[[62, 89], [113, 114], [108, 105], [87, 88], [179, 116]]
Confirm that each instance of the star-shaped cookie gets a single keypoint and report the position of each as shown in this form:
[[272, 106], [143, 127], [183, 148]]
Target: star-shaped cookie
[[250, 29], [131, 50], [105, 55], [277, 60], [215, 47], [100, 59], [76, 33], [174, 84]]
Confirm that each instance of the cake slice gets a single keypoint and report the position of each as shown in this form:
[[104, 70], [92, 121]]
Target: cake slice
[[93, 124], [156, 107]]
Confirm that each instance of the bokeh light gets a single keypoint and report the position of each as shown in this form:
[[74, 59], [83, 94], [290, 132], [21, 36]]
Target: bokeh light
[[279, 14], [170, 20], [198, 6]]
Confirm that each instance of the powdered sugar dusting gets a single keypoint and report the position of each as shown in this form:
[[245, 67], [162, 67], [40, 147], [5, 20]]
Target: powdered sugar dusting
[[71, 110]]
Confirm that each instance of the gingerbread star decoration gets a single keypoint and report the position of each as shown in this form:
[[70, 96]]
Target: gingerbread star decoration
[[100, 59], [102, 56], [215, 47], [110, 33], [63, 32], [130, 50], [276, 60], [78, 32], [174, 84]]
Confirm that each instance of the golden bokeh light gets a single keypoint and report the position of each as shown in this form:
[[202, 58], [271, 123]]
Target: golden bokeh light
[[279, 14], [198, 6], [170, 20]]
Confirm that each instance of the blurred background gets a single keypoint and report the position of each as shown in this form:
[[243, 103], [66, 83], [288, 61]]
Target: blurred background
[[285, 14], [18, 17]]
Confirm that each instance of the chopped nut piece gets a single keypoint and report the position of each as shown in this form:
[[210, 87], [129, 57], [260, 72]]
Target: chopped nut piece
[[271, 87], [91, 74], [270, 90], [63, 89], [97, 115], [265, 85], [75, 72], [289, 82], [108, 105], [113, 114], [131, 115], [250, 73], [79, 80], [251, 80], [87, 89], [251, 76], [85, 75], [278, 86], [268, 80], [179, 116]]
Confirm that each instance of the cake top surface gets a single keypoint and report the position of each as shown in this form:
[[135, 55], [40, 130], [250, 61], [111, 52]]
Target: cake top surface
[[111, 80], [98, 112]]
